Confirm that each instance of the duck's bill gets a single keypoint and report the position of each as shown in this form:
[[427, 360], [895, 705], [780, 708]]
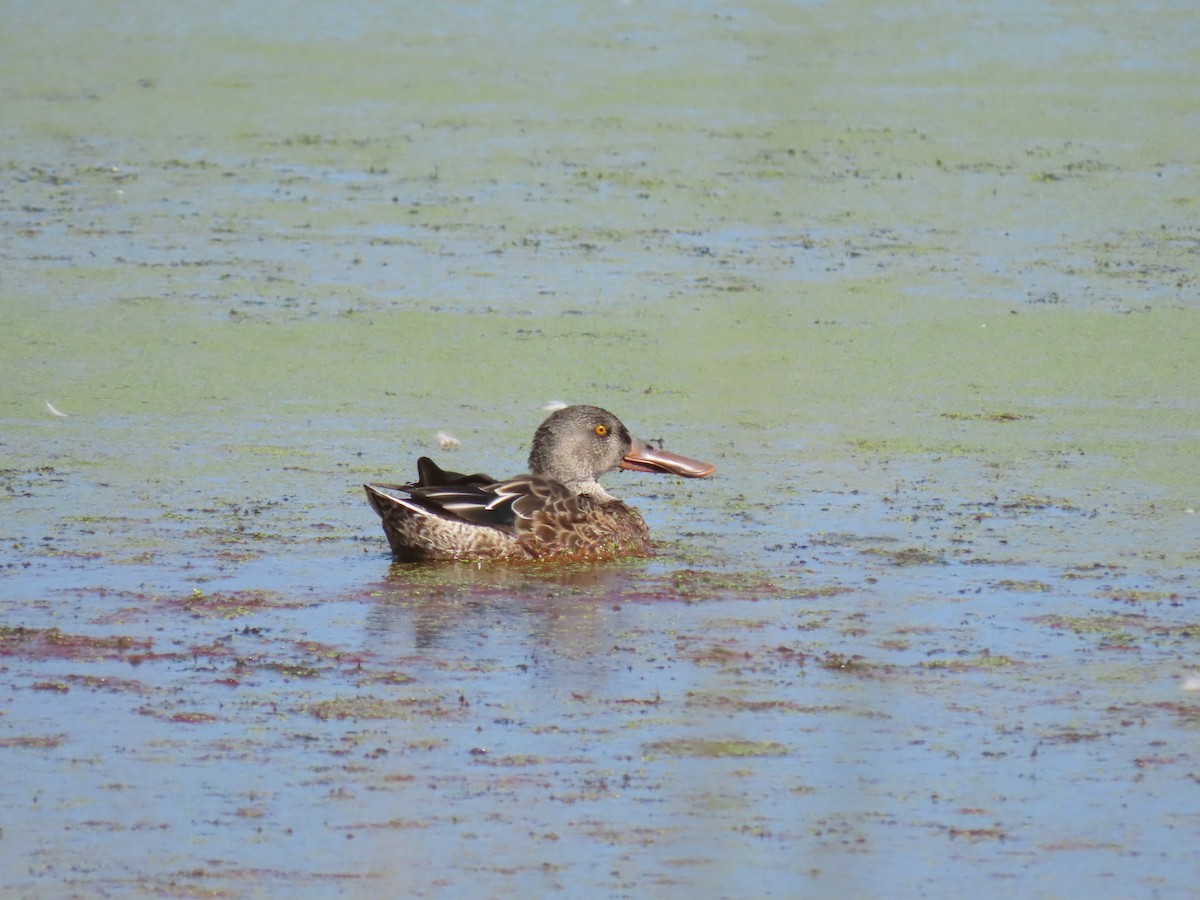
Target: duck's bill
[[643, 457]]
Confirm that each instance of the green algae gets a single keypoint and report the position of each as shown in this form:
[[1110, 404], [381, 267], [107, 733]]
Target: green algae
[[1028, 587], [507, 762], [986, 417], [32, 742], [1109, 628], [983, 662], [909, 556], [1136, 597], [743, 704], [708, 749], [367, 708]]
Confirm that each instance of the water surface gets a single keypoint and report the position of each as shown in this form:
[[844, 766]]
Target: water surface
[[920, 279]]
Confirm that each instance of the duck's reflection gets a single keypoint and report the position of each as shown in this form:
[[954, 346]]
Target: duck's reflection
[[564, 608]]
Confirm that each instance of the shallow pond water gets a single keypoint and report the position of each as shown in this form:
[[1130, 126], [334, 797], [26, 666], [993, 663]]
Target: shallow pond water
[[920, 279]]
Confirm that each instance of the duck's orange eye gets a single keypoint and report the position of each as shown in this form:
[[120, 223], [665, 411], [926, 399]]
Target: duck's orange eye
[[602, 430]]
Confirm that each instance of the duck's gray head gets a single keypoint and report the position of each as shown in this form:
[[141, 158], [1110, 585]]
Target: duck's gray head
[[578, 444]]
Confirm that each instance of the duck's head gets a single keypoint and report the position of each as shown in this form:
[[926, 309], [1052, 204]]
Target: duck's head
[[578, 444]]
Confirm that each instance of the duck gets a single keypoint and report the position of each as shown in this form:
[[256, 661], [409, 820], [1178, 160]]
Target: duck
[[557, 510]]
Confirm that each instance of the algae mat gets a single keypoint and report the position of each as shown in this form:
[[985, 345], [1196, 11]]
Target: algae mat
[[920, 279]]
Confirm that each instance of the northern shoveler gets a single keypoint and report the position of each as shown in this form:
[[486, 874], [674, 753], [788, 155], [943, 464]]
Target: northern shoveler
[[558, 509]]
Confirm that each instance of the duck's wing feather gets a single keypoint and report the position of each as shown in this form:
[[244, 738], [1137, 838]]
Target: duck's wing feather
[[430, 474], [497, 504]]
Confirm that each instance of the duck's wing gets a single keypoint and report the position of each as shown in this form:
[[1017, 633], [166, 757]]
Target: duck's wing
[[430, 474], [500, 504]]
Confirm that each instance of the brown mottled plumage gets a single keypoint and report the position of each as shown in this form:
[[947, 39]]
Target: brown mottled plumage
[[559, 509]]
